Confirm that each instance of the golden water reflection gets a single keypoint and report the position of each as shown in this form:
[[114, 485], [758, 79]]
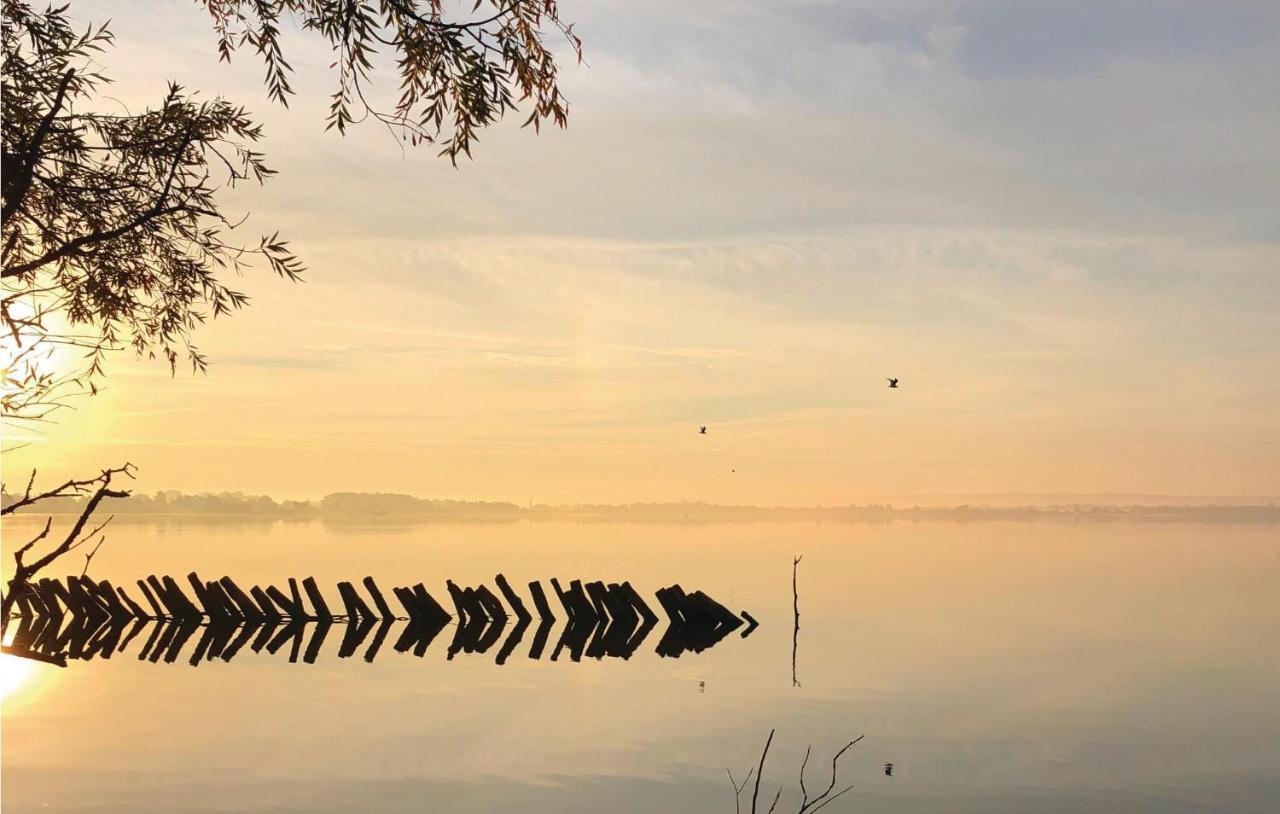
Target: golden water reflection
[[17, 675], [999, 666]]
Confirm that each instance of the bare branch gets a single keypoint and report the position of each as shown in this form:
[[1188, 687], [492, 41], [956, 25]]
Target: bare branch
[[822, 799], [71, 488], [15, 190], [776, 798], [88, 558], [760, 771], [74, 538], [807, 806]]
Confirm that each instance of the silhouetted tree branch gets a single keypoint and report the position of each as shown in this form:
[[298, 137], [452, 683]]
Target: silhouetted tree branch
[[113, 236], [94, 491], [807, 805], [455, 76]]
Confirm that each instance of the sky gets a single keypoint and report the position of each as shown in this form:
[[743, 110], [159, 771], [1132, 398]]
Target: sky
[[1056, 223]]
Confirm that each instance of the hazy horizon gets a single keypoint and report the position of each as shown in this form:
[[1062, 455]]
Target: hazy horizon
[[894, 502]]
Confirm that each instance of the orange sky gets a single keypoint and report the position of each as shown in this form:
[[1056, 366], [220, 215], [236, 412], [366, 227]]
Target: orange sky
[[1068, 257]]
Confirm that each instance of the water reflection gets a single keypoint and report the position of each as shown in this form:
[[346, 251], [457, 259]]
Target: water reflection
[[87, 619], [1002, 668], [14, 673], [165, 640]]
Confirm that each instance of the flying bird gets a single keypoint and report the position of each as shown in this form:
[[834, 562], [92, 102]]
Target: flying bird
[[888, 770], [893, 383], [702, 430]]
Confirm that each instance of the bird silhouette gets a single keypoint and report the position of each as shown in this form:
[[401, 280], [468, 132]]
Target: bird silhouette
[[888, 770], [893, 384], [702, 430]]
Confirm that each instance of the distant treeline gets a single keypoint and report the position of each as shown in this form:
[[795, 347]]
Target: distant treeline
[[708, 512], [339, 503], [372, 504]]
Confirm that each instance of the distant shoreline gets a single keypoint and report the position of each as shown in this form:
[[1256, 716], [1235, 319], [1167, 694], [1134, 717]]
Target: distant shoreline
[[352, 507]]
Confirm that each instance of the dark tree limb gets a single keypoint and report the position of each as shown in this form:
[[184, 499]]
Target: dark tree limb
[[97, 489]]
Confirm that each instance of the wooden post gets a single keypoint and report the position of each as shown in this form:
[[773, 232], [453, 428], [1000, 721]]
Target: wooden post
[[460, 601], [297, 599], [218, 597], [490, 603], [513, 599], [583, 610], [563, 596], [356, 608], [54, 595], [287, 605], [85, 603], [540, 601], [384, 610], [596, 591], [268, 608], [636, 602], [134, 607], [115, 607], [151, 600], [186, 608], [407, 599], [202, 595], [432, 609], [242, 601], [317, 599]]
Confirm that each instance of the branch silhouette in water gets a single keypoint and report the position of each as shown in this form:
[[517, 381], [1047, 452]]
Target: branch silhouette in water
[[795, 608], [807, 804]]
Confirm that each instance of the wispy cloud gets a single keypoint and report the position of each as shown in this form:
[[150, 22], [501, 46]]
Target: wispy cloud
[[1056, 222]]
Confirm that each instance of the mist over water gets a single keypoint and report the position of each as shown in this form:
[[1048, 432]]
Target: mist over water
[[998, 666]]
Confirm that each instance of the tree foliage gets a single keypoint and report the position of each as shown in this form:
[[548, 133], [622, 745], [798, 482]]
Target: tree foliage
[[112, 233], [113, 236], [456, 76]]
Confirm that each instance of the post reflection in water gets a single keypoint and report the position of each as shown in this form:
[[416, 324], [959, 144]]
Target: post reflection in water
[[87, 619]]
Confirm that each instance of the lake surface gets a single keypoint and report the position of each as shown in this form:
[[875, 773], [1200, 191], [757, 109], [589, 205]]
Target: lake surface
[[1000, 667]]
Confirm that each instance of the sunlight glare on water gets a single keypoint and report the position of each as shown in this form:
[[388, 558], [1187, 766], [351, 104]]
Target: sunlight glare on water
[[15, 673]]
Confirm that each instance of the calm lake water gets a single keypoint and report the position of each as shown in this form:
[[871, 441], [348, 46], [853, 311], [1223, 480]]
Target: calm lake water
[[1017, 667]]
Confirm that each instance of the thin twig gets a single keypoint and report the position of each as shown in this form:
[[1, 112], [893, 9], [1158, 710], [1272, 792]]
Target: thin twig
[[795, 607], [760, 771], [88, 558]]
